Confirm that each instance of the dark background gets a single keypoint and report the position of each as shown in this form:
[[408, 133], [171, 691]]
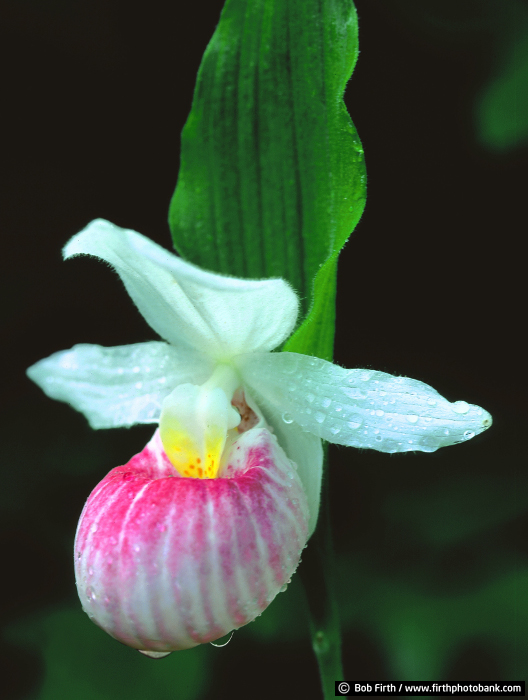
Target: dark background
[[432, 553]]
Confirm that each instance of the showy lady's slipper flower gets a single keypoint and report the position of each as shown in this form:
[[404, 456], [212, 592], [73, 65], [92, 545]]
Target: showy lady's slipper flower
[[199, 532]]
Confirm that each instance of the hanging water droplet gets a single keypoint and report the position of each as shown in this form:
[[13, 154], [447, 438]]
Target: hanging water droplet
[[225, 643], [319, 417], [284, 588], [287, 418], [154, 654], [460, 407], [412, 418], [469, 434]]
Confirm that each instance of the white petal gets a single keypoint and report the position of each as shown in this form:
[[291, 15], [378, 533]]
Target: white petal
[[360, 408], [118, 386], [222, 316], [305, 451]]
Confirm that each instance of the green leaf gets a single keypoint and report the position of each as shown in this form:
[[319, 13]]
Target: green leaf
[[272, 176]]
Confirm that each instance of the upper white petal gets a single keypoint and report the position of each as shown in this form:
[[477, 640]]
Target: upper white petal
[[222, 316], [360, 408], [119, 386]]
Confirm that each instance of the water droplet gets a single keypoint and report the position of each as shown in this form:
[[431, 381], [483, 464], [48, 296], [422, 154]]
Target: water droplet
[[460, 407], [319, 417], [136, 548], [446, 432], [155, 654], [379, 412], [338, 409], [354, 393], [136, 369], [225, 643], [365, 376], [326, 402], [78, 555], [93, 528], [335, 430], [429, 443], [412, 418], [90, 593], [287, 418], [431, 402], [378, 438], [469, 434], [90, 571], [284, 588], [382, 393], [138, 385], [310, 398], [355, 422]]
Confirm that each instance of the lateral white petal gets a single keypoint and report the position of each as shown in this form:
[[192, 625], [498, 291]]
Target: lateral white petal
[[120, 386], [360, 408], [222, 316], [305, 451]]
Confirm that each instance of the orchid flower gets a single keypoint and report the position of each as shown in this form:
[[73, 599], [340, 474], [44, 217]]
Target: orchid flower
[[197, 534]]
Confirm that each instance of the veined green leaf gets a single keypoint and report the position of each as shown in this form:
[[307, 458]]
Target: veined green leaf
[[272, 177]]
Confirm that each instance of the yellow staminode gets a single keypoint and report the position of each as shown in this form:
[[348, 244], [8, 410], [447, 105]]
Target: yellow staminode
[[194, 425]]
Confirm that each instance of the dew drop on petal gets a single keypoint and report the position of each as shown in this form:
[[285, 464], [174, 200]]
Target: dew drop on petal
[[379, 412], [460, 407], [93, 528], [326, 402], [310, 398], [378, 438], [335, 431], [355, 422], [469, 434], [319, 417], [287, 418], [412, 418], [431, 402], [446, 432]]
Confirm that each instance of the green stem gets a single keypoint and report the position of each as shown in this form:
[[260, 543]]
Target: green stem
[[317, 574]]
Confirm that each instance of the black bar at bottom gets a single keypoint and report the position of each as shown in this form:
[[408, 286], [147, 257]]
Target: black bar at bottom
[[430, 689]]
